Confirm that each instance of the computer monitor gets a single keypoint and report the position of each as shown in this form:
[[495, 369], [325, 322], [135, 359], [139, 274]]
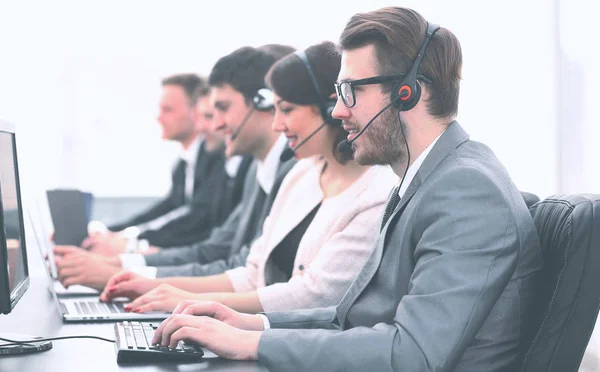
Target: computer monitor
[[14, 274]]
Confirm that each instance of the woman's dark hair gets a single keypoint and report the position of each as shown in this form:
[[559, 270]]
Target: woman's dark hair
[[290, 80]]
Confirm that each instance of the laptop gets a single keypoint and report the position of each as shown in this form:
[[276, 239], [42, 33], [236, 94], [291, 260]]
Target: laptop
[[89, 308], [70, 211]]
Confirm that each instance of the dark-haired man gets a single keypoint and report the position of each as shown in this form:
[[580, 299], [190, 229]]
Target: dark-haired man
[[451, 281], [235, 81], [205, 189]]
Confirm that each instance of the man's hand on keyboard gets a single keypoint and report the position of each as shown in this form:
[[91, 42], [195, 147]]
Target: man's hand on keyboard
[[76, 266], [127, 284], [222, 339], [220, 312]]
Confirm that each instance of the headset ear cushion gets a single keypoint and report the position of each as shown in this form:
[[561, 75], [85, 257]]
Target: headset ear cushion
[[405, 97], [329, 107]]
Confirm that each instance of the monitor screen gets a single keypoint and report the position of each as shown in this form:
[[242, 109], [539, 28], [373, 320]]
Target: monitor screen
[[14, 275]]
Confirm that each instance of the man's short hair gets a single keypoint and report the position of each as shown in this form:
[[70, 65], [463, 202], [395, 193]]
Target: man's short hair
[[202, 90], [190, 83], [397, 34], [244, 69], [278, 50]]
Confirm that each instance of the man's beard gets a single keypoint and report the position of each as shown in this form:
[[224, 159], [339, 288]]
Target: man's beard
[[383, 142]]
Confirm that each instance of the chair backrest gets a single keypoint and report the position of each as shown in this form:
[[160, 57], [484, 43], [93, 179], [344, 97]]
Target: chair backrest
[[568, 304], [529, 198]]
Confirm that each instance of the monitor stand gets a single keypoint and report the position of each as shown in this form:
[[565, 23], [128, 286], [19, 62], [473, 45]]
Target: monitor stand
[[33, 347]]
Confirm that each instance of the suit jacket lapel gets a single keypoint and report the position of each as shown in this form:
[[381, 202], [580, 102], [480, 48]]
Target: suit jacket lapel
[[450, 140], [243, 227]]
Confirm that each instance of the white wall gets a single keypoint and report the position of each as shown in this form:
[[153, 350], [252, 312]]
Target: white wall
[[81, 81], [579, 79]]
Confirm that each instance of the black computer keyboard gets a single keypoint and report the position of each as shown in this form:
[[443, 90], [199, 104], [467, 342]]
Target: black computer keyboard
[[133, 344]]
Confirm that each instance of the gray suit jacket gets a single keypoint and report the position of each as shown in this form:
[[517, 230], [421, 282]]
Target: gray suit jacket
[[228, 245], [449, 285]]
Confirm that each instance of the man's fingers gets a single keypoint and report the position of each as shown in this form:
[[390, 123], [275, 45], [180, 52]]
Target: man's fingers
[[65, 249], [185, 333], [205, 308], [79, 279], [68, 262], [68, 272]]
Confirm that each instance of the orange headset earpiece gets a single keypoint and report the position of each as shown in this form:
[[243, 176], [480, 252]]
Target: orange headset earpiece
[[406, 93]]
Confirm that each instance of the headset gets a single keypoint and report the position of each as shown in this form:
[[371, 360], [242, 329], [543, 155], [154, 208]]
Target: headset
[[406, 93], [261, 101], [326, 104]]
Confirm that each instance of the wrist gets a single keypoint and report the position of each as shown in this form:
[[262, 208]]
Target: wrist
[[252, 342], [256, 323], [113, 261]]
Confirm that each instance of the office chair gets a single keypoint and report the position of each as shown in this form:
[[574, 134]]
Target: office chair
[[530, 199], [568, 304]]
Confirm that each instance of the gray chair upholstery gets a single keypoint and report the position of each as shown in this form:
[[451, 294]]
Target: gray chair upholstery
[[569, 230], [530, 199]]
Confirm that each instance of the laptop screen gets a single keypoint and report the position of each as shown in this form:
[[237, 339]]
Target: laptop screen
[[11, 220]]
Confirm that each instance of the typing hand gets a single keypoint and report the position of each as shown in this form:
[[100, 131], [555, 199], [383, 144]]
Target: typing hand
[[165, 297], [222, 339], [220, 312], [76, 266], [127, 284]]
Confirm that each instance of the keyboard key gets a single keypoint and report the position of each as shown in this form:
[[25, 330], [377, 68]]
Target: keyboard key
[[129, 337], [140, 339], [93, 307], [84, 308]]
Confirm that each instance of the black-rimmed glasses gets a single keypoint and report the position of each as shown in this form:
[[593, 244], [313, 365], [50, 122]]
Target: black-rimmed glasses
[[345, 88]]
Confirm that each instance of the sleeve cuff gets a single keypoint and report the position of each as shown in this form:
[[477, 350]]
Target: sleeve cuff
[[266, 323], [131, 260], [239, 279]]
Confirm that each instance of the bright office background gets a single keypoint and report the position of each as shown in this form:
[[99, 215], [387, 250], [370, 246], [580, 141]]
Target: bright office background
[[81, 80]]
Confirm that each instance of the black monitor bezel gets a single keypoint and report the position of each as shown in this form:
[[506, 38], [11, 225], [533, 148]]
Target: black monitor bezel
[[8, 303]]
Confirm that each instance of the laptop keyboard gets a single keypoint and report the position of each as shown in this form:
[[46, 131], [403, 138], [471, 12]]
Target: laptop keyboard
[[134, 344], [95, 307]]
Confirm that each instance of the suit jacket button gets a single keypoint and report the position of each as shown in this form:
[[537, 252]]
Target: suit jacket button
[[301, 267]]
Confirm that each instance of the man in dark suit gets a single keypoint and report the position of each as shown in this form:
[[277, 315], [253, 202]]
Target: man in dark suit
[[452, 277], [235, 82], [206, 188], [202, 193]]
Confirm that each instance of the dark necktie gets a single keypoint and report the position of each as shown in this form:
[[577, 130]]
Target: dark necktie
[[391, 205], [179, 183]]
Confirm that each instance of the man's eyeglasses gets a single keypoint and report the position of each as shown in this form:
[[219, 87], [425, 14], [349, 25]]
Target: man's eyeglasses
[[345, 88]]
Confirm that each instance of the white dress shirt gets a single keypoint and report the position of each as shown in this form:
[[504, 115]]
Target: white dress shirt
[[266, 170], [232, 165], [414, 167]]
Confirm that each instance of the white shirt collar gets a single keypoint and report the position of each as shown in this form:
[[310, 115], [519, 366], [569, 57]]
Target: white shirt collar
[[232, 165], [266, 171], [190, 154], [414, 167]]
